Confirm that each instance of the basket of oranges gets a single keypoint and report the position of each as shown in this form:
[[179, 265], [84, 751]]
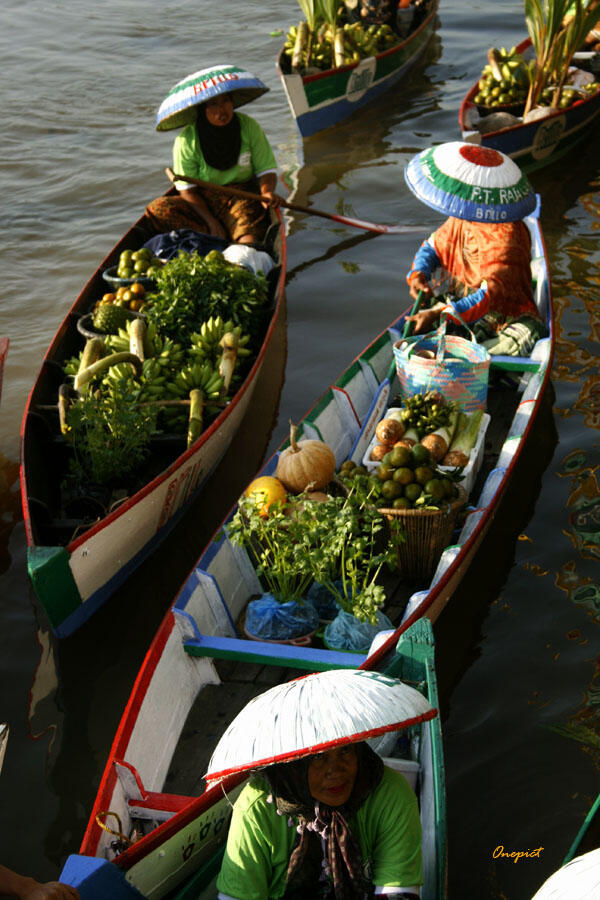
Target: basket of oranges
[[134, 266], [112, 311]]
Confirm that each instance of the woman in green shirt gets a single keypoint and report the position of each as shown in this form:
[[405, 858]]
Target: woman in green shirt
[[339, 824], [223, 147]]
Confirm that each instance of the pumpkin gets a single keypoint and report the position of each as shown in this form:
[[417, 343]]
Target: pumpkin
[[266, 490], [305, 465], [389, 431]]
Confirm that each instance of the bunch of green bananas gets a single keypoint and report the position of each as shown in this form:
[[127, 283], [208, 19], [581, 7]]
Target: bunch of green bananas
[[505, 79], [206, 344], [359, 42]]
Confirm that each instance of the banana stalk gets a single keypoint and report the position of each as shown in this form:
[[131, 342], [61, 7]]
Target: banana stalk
[[93, 350], [301, 41], [229, 343], [338, 48], [84, 377], [495, 63], [137, 335], [195, 422], [63, 407]]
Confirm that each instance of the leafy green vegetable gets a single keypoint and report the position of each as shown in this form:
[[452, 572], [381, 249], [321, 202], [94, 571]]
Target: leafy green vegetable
[[110, 434], [191, 289]]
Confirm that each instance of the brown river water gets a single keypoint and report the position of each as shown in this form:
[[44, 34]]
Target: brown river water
[[518, 646]]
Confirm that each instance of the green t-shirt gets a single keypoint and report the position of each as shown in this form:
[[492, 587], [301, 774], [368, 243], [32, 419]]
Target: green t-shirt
[[260, 841], [256, 156]]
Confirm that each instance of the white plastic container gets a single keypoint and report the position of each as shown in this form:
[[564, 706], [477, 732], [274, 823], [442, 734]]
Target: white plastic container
[[470, 471]]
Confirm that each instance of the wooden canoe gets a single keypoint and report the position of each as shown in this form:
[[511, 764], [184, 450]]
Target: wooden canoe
[[76, 564], [176, 696], [537, 143], [321, 99], [198, 648]]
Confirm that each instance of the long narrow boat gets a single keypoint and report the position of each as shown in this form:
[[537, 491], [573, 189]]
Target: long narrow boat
[[321, 99], [198, 645], [77, 563], [535, 143], [178, 708]]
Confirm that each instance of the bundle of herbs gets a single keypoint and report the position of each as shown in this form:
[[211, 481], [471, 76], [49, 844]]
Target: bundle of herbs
[[191, 288], [110, 436], [341, 543]]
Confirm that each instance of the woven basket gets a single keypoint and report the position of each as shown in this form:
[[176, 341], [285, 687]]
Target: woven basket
[[427, 533]]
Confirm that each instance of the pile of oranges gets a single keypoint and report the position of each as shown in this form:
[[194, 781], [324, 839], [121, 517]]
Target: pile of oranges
[[131, 297]]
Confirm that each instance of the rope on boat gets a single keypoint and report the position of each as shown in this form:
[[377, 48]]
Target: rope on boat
[[119, 834]]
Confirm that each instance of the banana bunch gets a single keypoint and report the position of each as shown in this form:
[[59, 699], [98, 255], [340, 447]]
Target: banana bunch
[[505, 79], [195, 376], [328, 47], [206, 344]]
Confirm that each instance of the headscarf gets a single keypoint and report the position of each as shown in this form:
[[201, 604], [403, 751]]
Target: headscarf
[[325, 845], [220, 144]]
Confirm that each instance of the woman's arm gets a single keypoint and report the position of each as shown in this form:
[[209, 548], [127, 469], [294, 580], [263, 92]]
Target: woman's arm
[[25, 888], [267, 184]]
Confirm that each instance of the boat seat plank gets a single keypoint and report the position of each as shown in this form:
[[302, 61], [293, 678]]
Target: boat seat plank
[[290, 655]]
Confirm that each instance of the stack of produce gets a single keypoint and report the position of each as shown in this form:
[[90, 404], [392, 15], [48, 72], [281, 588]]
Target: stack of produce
[[329, 46], [507, 78], [142, 262], [170, 370], [428, 419]]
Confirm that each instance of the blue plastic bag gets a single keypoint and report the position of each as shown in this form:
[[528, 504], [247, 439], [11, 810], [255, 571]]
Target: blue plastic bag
[[323, 600], [270, 620], [168, 245], [346, 632]]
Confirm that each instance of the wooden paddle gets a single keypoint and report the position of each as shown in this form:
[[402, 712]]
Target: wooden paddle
[[309, 210]]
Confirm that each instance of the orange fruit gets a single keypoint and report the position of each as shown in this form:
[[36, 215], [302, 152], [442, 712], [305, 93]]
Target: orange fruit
[[266, 489], [138, 289], [108, 298]]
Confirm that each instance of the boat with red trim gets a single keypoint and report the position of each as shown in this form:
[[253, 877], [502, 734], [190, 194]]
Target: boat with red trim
[[79, 554], [320, 99], [539, 141]]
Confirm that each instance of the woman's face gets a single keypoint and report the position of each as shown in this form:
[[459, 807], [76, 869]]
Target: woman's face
[[219, 110], [331, 775]]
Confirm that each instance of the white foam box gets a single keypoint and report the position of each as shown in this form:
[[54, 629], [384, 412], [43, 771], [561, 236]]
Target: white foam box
[[470, 470]]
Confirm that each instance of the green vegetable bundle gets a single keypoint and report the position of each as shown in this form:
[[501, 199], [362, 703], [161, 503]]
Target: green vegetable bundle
[[191, 289]]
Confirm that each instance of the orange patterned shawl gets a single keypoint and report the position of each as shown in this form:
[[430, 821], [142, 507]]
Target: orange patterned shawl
[[497, 253]]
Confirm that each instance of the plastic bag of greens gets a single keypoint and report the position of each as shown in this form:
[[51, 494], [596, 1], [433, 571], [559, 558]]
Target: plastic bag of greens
[[346, 632], [268, 619]]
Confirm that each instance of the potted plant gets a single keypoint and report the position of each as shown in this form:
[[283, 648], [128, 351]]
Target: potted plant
[[278, 543], [356, 541]]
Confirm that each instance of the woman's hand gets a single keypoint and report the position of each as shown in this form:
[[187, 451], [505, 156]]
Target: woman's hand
[[26, 888], [267, 184], [426, 319], [52, 890], [419, 284]]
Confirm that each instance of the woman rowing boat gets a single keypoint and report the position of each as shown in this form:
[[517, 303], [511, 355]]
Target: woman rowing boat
[[220, 146]]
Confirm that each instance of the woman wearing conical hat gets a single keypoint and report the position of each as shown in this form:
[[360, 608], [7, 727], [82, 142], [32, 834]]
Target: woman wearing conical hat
[[219, 145], [484, 247]]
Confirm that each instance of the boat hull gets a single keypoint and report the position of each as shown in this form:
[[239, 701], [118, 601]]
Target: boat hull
[[324, 99], [187, 840], [535, 144], [74, 579]]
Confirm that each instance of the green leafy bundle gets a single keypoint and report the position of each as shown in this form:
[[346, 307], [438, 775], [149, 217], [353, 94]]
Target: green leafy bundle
[[191, 289]]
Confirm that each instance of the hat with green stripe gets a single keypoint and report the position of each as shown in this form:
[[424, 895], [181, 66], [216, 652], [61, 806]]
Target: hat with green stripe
[[470, 182], [179, 106]]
